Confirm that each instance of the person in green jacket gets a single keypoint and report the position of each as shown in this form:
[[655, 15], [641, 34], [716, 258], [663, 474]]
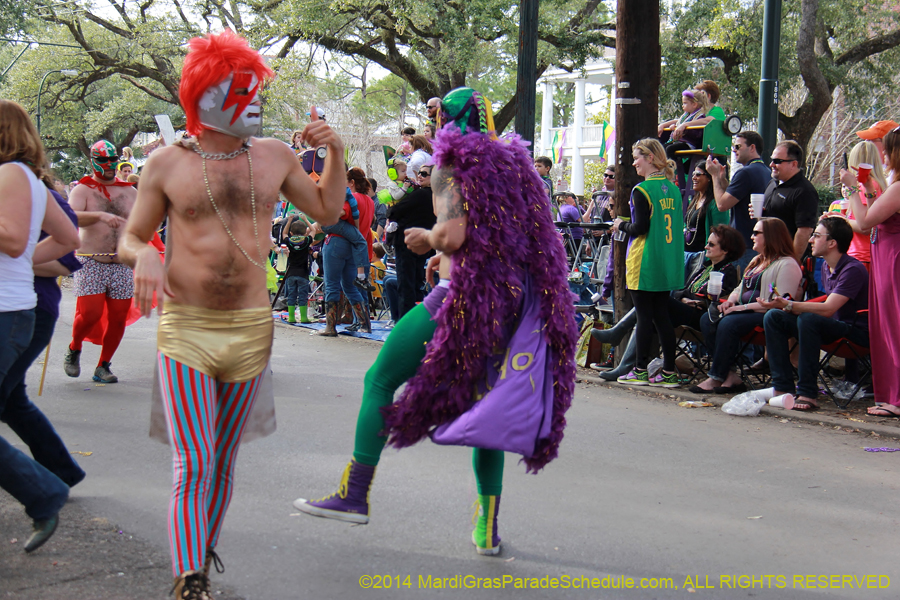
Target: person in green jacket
[[654, 265]]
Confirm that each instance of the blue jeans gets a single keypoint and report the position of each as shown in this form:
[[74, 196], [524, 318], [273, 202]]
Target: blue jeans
[[360, 248], [392, 295], [724, 341], [40, 491], [26, 419], [296, 290], [812, 331], [340, 271]]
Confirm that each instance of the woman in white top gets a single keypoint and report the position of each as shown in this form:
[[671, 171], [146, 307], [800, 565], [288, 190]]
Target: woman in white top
[[25, 208], [421, 155]]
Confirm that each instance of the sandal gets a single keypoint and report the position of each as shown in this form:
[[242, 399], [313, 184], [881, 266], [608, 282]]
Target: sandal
[[806, 404], [879, 410]]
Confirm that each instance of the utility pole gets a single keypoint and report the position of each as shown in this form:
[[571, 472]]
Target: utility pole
[[526, 77], [638, 58], [768, 83]]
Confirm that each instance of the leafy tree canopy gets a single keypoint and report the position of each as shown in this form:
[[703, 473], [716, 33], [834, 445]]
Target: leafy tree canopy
[[824, 44]]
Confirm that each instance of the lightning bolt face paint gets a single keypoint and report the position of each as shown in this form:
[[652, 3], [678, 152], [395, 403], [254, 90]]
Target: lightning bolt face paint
[[232, 106]]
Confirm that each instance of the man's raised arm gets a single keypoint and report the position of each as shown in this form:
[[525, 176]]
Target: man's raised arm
[[724, 200], [322, 202]]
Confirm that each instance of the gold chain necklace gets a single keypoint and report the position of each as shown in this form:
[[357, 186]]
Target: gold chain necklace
[[261, 264]]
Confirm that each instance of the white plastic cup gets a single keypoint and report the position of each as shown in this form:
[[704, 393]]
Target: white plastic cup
[[714, 287], [785, 401], [862, 173], [757, 201]]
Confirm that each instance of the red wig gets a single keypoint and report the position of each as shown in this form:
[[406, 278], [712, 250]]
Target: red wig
[[209, 61]]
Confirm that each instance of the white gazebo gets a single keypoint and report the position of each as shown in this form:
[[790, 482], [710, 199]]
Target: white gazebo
[[581, 141]]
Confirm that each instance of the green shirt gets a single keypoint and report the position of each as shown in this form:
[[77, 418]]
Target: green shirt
[[655, 261]]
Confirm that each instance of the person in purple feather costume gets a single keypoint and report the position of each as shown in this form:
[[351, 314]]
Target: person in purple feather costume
[[502, 278]]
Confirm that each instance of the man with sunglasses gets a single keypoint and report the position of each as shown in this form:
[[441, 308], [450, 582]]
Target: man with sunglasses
[[599, 209], [102, 204], [752, 178], [790, 196]]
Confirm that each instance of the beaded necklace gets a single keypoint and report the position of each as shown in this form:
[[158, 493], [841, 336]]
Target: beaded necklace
[[203, 155]]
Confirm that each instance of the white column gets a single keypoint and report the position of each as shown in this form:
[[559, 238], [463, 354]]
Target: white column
[[546, 119], [576, 158]]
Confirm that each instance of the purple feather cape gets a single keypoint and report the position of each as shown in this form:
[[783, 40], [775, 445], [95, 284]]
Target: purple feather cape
[[510, 232]]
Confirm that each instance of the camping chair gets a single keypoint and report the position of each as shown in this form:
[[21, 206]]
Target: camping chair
[[844, 348], [689, 346], [753, 379]]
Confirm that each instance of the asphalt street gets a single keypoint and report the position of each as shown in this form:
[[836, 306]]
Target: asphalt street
[[644, 491]]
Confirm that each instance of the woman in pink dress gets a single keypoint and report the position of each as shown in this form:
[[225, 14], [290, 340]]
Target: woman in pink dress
[[883, 217]]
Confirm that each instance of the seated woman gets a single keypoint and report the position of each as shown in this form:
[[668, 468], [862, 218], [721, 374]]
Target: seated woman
[[702, 214], [686, 306], [773, 271]]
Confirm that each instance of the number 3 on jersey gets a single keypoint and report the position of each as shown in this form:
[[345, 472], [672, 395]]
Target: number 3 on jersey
[[668, 219]]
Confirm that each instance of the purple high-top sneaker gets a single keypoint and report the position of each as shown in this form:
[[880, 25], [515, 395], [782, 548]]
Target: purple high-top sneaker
[[350, 503], [485, 537]]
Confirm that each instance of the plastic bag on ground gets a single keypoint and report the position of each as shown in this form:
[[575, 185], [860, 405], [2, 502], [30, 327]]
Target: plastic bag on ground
[[655, 367], [749, 403]]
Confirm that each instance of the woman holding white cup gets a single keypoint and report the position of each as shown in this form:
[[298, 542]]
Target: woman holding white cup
[[773, 271], [724, 246]]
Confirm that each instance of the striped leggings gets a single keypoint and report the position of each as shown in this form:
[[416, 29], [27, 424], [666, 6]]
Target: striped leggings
[[206, 421]]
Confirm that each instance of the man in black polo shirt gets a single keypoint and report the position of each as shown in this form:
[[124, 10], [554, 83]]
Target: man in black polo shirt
[[751, 179], [790, 196]]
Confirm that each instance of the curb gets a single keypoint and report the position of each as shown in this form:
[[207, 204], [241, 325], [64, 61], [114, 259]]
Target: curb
[[817, 417]]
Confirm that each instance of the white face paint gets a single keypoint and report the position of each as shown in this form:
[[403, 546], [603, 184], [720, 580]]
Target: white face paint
[[232, 106]]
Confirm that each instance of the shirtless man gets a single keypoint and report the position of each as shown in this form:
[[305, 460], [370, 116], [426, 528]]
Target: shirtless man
[[102, 203], [215, 332]]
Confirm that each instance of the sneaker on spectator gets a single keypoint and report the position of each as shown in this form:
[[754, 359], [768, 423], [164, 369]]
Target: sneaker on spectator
[[666, 380], [635, 377]]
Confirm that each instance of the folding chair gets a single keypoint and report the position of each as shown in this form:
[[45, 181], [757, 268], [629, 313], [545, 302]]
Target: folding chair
[[690, 346], [844, 348], [752, 379]]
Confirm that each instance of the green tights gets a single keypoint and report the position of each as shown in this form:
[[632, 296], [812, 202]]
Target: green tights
[[398, 361]]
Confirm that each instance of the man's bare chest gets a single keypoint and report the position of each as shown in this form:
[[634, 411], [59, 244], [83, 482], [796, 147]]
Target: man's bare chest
[[228, 192], [119, 203]]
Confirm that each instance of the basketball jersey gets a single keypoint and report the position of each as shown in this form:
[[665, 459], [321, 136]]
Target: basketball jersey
[[655, 261]]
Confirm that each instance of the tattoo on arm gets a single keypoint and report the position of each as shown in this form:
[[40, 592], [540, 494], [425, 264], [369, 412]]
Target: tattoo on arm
[[450, 204]]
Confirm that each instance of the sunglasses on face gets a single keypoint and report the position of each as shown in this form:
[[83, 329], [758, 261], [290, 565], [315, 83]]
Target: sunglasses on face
[[778, 161], [711, 244], [424, 174], [755, 232], [608, 176], [698, 174], [737, 147], [106, 159], [817, 235]]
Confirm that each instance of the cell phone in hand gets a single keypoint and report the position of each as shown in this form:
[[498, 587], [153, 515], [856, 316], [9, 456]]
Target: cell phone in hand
[[844, 164]]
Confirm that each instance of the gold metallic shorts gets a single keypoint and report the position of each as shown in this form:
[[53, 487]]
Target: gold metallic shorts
[[229, 345]]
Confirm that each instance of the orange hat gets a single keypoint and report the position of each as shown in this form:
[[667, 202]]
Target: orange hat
[[877, 131]]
